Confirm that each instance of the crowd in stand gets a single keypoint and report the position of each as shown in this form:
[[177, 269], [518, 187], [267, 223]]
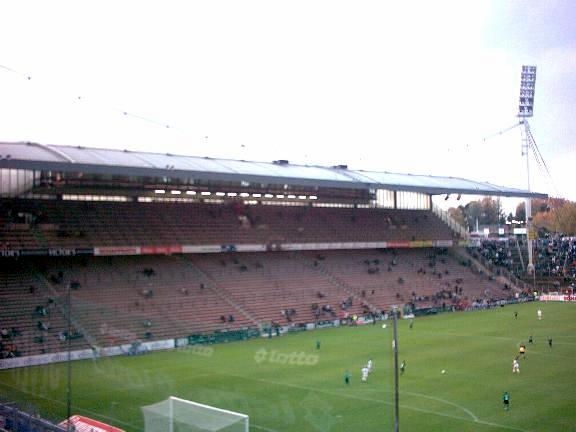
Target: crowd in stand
[[450, 295], [8, 348], [554, 256]]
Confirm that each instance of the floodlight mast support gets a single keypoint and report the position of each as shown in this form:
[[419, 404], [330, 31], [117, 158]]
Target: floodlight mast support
[[526, 110], [528, 207]]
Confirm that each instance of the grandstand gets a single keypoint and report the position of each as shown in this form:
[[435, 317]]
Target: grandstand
[[156, 249]]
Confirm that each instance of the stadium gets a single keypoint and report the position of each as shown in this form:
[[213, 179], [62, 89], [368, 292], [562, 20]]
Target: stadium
[[146, 291], [305, 216]]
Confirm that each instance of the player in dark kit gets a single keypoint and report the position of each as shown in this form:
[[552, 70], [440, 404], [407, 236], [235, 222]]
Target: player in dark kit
[[506, 400], [522, 353], [347, 377]]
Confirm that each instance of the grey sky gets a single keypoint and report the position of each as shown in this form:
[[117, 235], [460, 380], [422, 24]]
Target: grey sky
[[395, 86]]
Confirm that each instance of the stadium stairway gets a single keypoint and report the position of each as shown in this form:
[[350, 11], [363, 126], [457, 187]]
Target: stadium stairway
[[113, 294], [212, 285], [61, 303], [505, 276], [269, 284], [17, 309], [336, 281]]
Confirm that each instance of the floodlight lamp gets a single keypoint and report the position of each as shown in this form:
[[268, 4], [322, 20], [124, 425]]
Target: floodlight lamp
[[527, 86]]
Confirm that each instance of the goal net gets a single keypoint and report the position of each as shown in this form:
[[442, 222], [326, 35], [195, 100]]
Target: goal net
[[179, 415]]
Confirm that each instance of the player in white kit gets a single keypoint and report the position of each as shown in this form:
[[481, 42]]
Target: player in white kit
[[364, 374], [515, 366]]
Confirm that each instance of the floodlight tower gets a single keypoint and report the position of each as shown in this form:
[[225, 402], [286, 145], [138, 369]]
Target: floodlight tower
[[526, 110]]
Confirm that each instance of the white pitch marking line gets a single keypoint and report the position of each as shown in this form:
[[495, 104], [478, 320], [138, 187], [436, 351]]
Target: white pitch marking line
[[348, 396]]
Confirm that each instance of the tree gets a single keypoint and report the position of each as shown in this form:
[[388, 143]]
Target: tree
[[492, 211], [486, 211], [567, 218], [560, 218], [472, 213], [457, 215], [555, 215], [539, 206], [521, 212]]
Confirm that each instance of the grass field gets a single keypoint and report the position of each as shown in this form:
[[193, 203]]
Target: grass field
[[255, 377]]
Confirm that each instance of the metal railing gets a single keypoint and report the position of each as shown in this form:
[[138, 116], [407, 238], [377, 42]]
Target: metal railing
[[61, 303], [221, 292], [12, 419], [498, 271], [450, 221]]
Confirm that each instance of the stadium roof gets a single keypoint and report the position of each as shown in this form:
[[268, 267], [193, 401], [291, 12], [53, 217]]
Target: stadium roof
[[34, 156]]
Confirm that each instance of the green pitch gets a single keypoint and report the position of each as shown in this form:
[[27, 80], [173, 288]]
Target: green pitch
[[287, 384]]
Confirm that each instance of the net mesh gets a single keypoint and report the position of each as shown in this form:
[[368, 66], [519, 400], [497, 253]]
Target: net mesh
[[178, 415]]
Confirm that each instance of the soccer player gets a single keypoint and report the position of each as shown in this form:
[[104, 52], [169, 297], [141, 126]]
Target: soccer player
[[515, 366], [506, 400], [364, 374], [347, 376], [317, 344], [539, 314], [95, 353], [515, 315], [370, 365], [530, 340], [522, 351], [402, 367], [550, 342]]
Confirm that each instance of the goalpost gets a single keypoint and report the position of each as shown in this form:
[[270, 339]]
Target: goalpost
[[180, 415]]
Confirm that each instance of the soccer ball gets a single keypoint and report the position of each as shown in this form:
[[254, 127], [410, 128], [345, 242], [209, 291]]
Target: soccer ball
[[383, 325], [443, 371]]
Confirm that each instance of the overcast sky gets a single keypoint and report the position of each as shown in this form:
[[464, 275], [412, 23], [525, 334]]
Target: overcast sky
[[400, 86]]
